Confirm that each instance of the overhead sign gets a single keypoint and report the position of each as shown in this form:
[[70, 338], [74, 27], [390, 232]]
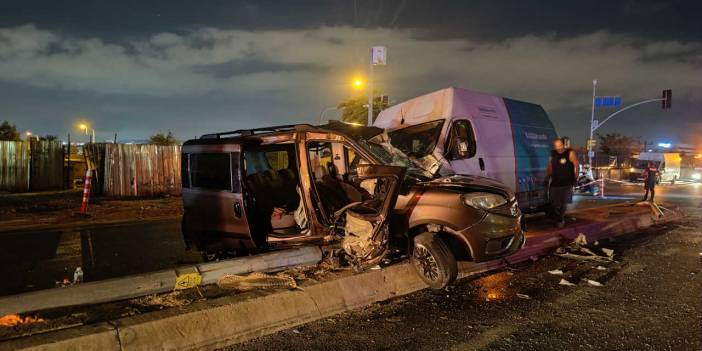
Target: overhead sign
[[379, 56], [608, 101]]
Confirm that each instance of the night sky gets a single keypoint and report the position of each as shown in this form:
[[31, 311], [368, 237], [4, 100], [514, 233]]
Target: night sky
[[135, 68]]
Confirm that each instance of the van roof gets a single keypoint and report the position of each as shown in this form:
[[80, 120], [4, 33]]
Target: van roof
[[443, 103], [241, 135]]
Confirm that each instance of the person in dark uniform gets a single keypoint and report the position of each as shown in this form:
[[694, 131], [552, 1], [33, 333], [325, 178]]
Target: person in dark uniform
[[650, 180], [562, 170]]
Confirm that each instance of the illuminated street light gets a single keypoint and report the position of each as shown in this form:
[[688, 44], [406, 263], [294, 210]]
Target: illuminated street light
[[357, 83], [84, 127]]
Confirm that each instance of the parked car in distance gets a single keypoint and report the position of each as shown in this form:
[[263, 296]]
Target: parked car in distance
[[254, 190]]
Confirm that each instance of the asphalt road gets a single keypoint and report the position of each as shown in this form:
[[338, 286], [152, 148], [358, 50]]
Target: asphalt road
[[650, 300], [36, 260]]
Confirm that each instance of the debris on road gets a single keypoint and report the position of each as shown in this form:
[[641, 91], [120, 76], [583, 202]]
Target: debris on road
[[608, 252], [12, 320], [581, 239], [601, 268], [576, 250], [556, 272], [523, 296], [174, 299], [256, 280], [565, 283], [78, 275], [593, 282]]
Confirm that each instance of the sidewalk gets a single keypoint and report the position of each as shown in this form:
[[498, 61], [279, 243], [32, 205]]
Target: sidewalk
[[56, 210]]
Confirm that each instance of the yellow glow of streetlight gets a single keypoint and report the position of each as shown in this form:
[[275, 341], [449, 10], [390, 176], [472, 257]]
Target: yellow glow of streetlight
[[28, 133], [357, 83], [82, 126]]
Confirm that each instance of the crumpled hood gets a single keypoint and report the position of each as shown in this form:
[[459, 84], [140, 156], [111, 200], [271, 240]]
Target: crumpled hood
[[471, 182]]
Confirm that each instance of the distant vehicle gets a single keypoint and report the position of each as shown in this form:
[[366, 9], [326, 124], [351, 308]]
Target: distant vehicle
[[586, 183], [478, 134], [667, 163], [249, 191]]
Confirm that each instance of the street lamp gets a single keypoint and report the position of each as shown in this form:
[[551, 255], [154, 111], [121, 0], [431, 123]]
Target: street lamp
[[357, 83], [84, 127]]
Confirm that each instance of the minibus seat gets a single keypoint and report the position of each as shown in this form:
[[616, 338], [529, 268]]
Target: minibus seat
[[260, 189]]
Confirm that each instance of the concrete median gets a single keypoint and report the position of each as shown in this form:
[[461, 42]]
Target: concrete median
[[231, 319], [154, 282]]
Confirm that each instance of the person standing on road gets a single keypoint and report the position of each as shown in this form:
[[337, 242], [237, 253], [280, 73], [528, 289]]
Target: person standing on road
[[650, 179], [562, 170]]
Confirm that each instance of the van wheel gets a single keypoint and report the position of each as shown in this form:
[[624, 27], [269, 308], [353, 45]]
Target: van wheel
[[433, 261]]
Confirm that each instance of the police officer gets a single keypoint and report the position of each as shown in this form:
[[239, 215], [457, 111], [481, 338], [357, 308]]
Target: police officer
[[562, 170], [650, 180]]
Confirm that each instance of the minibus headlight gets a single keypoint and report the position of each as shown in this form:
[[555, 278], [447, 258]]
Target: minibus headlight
[[483, 201]]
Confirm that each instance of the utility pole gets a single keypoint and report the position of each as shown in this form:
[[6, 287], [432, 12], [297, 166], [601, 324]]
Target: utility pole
[[590, 151]]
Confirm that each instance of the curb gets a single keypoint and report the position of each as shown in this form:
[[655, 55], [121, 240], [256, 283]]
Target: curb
[[232, 319]]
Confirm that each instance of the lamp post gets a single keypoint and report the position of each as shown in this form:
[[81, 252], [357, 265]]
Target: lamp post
[[84, 127], [378, 57]]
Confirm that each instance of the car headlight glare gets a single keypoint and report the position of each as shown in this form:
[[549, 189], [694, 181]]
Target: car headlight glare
[[483, 201]]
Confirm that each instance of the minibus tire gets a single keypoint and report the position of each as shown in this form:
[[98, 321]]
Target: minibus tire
[[433, 261]]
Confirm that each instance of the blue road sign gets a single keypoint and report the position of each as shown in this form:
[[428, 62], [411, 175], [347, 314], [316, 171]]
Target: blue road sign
[[608, 101]]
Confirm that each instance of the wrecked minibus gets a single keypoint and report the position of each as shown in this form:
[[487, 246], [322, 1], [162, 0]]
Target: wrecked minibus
[[249, 191], [478, 134]]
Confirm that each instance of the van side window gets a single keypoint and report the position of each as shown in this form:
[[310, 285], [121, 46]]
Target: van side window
[[211, 171], [461, 142]]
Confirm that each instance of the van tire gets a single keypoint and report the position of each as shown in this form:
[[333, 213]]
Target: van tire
[[433, 261]]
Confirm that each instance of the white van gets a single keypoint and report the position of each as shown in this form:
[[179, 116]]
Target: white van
[[667, 163], [478, 134]]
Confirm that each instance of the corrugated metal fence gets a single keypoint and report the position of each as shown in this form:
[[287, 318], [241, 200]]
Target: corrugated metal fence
[[14, 166], [46, 166], [126, 170], [31, 166]]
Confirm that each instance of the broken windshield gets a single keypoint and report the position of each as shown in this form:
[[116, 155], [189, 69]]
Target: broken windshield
[[393, 156], [417, 141]]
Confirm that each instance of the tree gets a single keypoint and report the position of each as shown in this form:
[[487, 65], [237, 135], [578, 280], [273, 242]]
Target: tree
[[355, 110], [9, 132], [163, 139], [49, 137], [618, 145]]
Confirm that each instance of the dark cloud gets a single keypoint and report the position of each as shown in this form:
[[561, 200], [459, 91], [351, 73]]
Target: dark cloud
[[478, 20], [135, 67]]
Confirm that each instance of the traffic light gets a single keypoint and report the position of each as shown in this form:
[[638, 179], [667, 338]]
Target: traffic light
[[667, 99]]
